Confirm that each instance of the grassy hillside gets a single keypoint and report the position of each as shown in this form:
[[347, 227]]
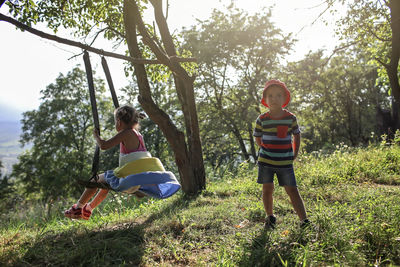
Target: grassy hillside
[[352, 198]]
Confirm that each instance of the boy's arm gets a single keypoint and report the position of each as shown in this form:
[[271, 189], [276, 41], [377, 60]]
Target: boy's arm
[[296, 145], [258, 141], [258, 132]]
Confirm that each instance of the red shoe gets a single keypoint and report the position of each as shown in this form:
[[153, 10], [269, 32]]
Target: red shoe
[[85, 212], [73, 212]]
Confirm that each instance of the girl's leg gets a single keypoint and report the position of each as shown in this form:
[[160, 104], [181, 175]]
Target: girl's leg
[[89, 193], [297, 202], [268, 189], [101, 195], [75, 212], [86, 196]]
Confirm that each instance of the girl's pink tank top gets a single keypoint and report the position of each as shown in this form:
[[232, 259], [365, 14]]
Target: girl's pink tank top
[[141, 147]]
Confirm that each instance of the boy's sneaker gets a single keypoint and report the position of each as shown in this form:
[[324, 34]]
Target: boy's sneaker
[[73, 212], [305, 223], [270, 222]]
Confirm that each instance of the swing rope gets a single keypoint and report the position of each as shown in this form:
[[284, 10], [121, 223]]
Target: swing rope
[[109, 81], [96, 156], [89, 74]]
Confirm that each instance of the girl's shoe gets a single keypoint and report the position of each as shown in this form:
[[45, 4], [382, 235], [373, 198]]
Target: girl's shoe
[[86, 213], [73, 212]]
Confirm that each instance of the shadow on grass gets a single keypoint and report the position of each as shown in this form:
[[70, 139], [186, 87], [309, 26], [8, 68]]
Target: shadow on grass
[[267, 249], [120, 244], [259, 251]]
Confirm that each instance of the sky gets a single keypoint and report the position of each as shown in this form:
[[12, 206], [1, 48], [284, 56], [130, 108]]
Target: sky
[[30, 63]]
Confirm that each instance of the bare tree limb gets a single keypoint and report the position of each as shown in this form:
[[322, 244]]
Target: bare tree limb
[[329, 5], [337, 49], [84, 46]]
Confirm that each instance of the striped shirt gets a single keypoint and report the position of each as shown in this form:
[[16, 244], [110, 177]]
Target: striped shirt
[[276, 138]]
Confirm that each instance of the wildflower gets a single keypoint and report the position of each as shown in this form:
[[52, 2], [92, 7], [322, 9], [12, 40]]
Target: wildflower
[[284, 233]]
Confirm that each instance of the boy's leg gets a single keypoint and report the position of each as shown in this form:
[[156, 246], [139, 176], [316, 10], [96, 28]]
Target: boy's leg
[[267, 198], [297, 201]]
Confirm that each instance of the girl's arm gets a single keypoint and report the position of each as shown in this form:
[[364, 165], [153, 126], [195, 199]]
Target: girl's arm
[[113, 141], [296, 144]]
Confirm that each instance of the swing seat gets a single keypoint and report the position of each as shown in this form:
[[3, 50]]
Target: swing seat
[[145, 174]]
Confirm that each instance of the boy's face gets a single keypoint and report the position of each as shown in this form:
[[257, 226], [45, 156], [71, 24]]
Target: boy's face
[[275, 97]]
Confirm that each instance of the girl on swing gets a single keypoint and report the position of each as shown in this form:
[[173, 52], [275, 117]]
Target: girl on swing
[[130, 140]]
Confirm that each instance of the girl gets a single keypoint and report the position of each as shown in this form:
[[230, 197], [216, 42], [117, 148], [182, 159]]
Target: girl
[[130, 140]]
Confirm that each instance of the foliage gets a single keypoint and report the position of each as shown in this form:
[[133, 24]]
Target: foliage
[[6, 189], [61, 133], [335, 99], [121, 21], [237, 53], [367, 23], [378, 165], [85, 17], [374, 26], [354, 219]]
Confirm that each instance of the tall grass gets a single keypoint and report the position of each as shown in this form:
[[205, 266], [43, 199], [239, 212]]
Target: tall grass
[[352, 197]]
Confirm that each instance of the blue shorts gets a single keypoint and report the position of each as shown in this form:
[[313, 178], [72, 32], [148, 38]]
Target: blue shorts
[[285, 176]]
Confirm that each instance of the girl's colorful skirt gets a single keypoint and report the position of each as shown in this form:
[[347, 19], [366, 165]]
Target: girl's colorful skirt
[[145, 174]]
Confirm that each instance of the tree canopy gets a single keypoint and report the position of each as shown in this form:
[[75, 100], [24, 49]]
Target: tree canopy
[[374, 27], [121, 21], [237, 53], [61, 133]]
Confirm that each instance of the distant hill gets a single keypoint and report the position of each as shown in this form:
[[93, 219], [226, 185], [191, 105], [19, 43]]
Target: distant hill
[[10, 130], [9, 144], [9, 113]]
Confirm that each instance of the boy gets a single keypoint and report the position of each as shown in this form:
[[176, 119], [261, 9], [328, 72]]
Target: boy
[[273, 133]]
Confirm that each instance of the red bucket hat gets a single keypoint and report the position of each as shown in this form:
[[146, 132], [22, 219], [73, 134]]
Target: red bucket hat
[[280, 84]]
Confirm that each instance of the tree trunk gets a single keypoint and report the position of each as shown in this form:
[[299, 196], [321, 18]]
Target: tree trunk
[[392, 67], [189, 159], [184, 84], [251, 138], [395, 115], [239, 138]]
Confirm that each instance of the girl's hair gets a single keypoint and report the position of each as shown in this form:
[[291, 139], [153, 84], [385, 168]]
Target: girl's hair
[[128, 115]]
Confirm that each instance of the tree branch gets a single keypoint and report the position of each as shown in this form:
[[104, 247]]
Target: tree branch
[[84, 46], [337, 49], [386, 66], [167, 60]]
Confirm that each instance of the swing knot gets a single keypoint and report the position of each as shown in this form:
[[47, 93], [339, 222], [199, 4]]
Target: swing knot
[[95, 177]]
